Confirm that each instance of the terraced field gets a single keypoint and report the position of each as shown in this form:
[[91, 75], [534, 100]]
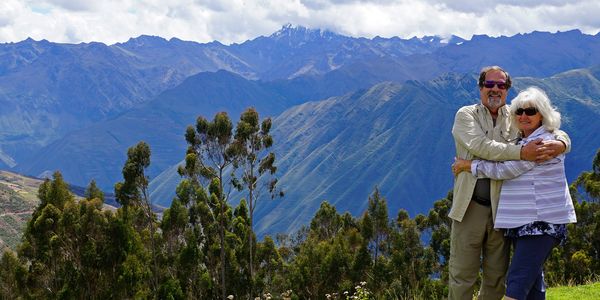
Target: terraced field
[[18, 199]]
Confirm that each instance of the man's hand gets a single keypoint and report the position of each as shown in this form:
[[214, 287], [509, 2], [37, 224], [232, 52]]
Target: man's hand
[[530, 150], [540, 151], [461, 165], [549, 150]]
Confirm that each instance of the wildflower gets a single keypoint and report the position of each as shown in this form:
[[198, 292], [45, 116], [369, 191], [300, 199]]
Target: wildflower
[[287, 295]]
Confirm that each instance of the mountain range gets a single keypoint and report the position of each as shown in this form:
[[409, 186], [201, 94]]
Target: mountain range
[[50, 89], [349, 113]]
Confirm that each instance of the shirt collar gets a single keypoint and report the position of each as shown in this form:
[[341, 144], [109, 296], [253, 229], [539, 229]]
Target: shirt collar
[[503, 110], [535, 134]]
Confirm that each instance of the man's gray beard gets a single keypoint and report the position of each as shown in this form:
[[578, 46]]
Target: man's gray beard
[[494, 102]]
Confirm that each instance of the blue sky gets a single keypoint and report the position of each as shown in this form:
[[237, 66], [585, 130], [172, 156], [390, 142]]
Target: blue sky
[[234, 21]]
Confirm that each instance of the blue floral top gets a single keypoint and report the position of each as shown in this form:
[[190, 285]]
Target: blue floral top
[[558, 231]]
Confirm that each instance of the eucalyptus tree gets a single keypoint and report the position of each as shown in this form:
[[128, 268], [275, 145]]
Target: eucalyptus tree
[[376, 217], [210, 153], [252, 140], [133, 192], [41, 246]]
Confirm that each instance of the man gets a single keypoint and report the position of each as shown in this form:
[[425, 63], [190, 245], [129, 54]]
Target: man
[[483, 131]]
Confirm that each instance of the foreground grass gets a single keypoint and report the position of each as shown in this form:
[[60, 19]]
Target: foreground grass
[[588, 291]]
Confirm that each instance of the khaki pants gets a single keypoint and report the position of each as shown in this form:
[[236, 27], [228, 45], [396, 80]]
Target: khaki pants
[[475, 245]]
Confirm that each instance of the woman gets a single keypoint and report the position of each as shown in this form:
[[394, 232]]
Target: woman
[[535, 204]]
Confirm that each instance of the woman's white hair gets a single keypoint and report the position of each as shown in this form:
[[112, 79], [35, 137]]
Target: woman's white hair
[[535, 97]]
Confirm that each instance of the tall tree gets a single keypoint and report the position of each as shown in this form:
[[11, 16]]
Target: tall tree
[[251, 141], [210, 152], [378, 213], [41, 241], [437, 224], [133, 192], [410, 263], [190, 229]]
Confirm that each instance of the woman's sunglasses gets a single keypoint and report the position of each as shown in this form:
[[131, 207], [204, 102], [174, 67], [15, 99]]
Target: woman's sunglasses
[[490, 84], [530, 111]]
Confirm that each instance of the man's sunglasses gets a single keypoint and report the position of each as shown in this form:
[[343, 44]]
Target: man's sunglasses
[[491, 84], [530, 111]]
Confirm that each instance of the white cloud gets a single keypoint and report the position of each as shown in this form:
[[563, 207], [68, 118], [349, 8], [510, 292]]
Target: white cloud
[[73, 5], [483, 7], [230, 21], [7, 10]]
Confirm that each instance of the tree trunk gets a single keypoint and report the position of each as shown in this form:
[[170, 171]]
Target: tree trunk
[[149, 213], [250, 240], [222, 232], [222, 237]]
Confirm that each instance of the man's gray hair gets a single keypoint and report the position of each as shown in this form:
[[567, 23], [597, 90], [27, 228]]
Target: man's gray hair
[[484, 72], [535, 97]]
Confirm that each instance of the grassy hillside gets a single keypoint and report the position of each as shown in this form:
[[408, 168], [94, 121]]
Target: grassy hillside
[[18, 199], [589, 291]]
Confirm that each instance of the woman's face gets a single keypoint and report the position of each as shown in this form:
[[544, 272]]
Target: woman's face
[[528, 119]]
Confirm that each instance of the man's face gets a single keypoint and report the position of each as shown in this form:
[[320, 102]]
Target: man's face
[[493, 97]]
